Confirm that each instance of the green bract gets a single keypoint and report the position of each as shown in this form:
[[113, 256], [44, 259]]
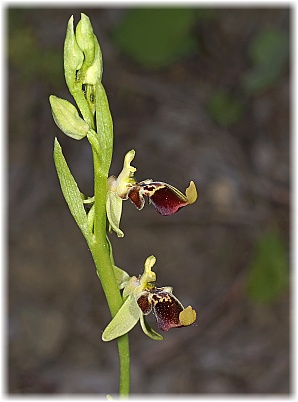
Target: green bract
[[71, 191], [67, 118], [104, 126]]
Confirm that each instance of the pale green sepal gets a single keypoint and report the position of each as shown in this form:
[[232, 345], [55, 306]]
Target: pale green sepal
[[121, 276], [125, 319], [71, 191], [104, 125], [148, 330], [114, 211], [67, 118], [131, 286]]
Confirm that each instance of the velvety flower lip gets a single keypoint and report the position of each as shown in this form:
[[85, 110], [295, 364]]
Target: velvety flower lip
[[165, 198], [166, 308]]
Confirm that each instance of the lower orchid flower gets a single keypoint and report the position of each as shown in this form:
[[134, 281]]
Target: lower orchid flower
[[165, 198], [141, 297]]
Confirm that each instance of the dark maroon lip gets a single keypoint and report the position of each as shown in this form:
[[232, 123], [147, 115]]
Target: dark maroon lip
[[165, 306], [166, 199]]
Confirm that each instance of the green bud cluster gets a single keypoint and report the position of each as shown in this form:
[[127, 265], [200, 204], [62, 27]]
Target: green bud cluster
[[83, 72]]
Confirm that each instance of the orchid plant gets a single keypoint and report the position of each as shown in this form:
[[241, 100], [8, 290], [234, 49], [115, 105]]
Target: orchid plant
[[129, 298]]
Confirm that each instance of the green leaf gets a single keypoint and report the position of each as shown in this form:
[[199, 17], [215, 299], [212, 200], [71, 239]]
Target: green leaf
[[155, 37], [71, 191], [268, 46], [269, 52], [224, 109], [269, 269], [125, 319], [149, 331]]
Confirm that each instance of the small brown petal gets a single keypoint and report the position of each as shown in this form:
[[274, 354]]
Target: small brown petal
[[144, 303], [136, 197]]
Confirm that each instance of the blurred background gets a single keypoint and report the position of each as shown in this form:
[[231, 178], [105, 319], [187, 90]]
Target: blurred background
[[201, 94]]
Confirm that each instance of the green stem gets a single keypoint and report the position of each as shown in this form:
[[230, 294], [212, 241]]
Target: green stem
[[101, 254], [124, 356]]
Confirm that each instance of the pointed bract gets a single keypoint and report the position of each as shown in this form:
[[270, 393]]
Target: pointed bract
[[67, 118]]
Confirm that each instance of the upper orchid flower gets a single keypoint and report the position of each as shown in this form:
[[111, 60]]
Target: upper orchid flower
[[165, 198], [142, 297]]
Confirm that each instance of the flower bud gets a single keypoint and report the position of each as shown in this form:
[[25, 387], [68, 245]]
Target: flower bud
[[92, 67], [85, 38], [94, 72], [73, 56], [67, 118]]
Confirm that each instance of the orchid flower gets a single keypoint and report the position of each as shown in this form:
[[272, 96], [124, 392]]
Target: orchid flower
[[165, 198], [141, 297]]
